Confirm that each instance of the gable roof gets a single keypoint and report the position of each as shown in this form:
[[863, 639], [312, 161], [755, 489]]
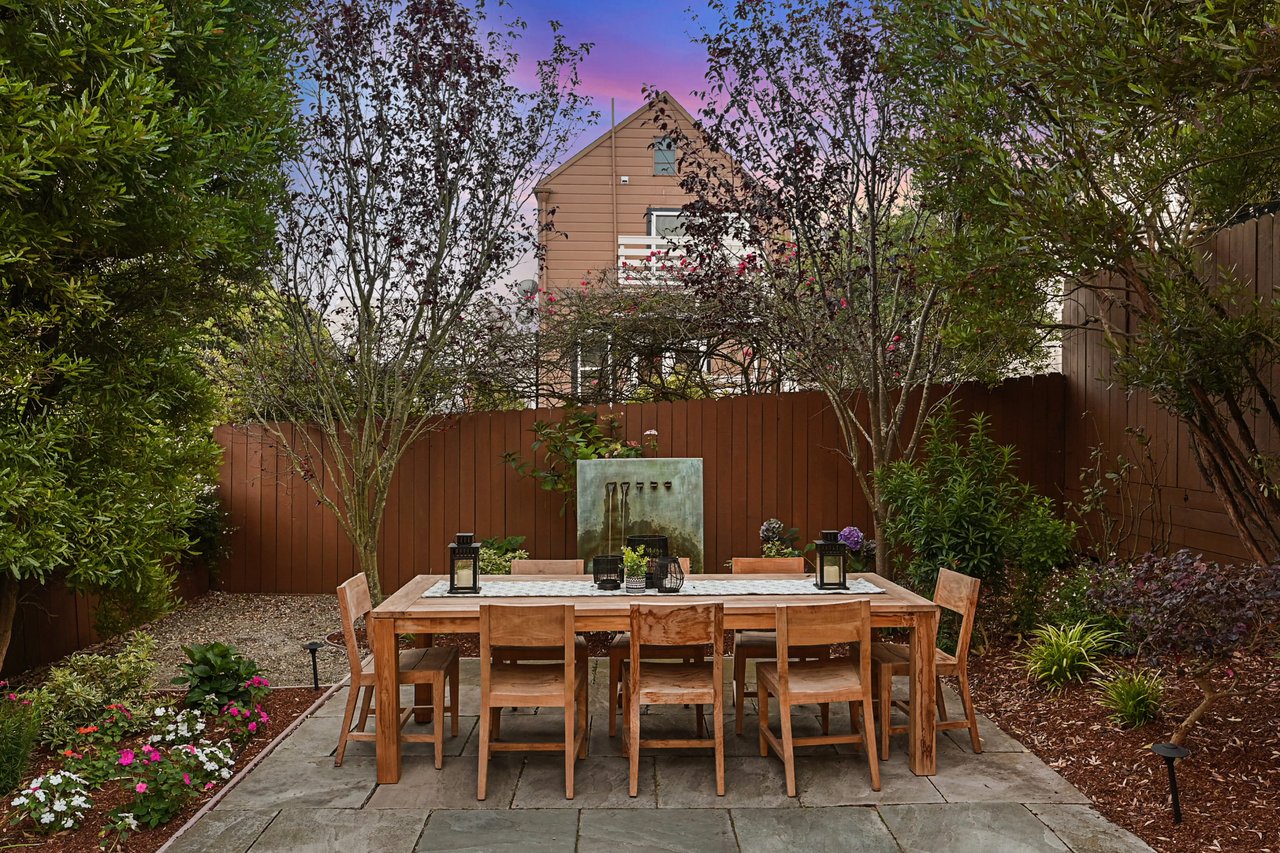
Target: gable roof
[[644, 111]]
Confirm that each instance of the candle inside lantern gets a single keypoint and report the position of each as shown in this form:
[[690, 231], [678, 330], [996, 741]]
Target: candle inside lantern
[[831, 570], [465, 573]]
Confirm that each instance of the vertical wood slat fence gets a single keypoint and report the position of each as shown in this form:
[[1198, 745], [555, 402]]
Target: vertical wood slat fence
[[764, 456]]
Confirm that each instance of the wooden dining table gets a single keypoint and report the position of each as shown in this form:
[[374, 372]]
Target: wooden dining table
[[407, 611]]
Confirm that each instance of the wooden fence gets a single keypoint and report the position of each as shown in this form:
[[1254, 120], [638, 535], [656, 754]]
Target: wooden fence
[[1100, 411], [764, 456]]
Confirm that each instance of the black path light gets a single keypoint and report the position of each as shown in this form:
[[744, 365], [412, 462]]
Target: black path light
[[464, 564], [314, 647], [833, 561], [1171, 752]]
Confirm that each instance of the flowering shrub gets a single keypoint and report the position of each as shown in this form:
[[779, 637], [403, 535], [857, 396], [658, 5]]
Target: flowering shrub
[[778, 540], [245, 722], [76, 692], [1196, 616], [53, 802], [19, 726], [163, 783], [864, 549], [173, 726]]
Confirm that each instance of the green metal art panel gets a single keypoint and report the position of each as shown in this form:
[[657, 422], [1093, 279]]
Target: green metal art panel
[[620, 497]]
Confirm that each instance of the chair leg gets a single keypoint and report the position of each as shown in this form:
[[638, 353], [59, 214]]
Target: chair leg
[[869, 739], [495, 716], [942, 700], [482, 773], [346, 724], [762, 700], [885, 685], [739, 689], [453, 698], [826, 718], [700, 720], [437, 719], [570, 745], [615, 692], [967, 698], [633, 742], [365, 703], [788, 748], [584, 722], [717, 725]]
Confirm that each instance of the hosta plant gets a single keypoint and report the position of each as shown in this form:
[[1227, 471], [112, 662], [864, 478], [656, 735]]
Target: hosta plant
[[1059, 655], [216, 674]]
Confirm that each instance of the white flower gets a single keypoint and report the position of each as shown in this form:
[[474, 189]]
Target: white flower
[[68, 823], [19, 801], [55, 779], [47, 817], [59, 806]]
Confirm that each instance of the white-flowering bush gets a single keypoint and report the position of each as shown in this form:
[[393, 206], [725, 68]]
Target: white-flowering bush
[[172, 726], [54, 802]]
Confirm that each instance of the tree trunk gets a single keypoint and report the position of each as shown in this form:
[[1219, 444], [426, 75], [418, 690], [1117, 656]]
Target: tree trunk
[[8, 610], [367, 555], [1209, 696]]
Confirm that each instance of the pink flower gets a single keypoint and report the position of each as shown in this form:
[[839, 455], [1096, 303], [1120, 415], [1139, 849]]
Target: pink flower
[[141, 787], [253, 727], [126, 757], [233, 711], [186, 778], [208, 785]]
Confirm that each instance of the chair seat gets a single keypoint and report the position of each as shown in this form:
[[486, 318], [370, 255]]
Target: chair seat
[[815, 681], [673, 683], [526, 685], [416, 665], [897, 657]]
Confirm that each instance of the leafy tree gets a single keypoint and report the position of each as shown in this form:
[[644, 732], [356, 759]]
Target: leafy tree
[[1116, 141], [418, 154], [141, 150], [866, 291]]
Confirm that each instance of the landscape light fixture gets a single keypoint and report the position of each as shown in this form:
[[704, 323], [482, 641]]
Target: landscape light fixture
[[1171, 752], [314, 647]]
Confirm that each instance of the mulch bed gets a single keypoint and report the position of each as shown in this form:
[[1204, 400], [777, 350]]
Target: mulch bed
[[283, 705], [1230, 784]]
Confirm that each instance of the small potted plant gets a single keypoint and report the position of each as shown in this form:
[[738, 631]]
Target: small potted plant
[[636, 565]]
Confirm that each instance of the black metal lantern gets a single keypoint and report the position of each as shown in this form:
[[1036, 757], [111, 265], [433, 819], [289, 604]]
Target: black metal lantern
[[670, 577], [606, 569], [464, 564], [833, 561]]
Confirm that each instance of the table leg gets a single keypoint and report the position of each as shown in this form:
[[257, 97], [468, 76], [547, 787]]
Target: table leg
[[923, 729], [386, 662], [423, 701]]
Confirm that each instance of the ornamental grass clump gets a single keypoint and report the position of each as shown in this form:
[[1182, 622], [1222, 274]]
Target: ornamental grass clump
[[1133, 698], [1060, 655], [1202, 618], [19, 727]]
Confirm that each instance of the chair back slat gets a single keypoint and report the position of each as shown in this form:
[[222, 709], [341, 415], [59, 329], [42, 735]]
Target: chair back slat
[[525, 625], [959, 594], [677, 624], [354, 602], [824, 624], [767, 565], [546, 567]]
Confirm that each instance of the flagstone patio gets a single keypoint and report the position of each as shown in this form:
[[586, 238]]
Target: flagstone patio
[[1005, 799]]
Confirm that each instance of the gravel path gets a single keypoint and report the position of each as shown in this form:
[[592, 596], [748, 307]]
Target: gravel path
[[268, 628]]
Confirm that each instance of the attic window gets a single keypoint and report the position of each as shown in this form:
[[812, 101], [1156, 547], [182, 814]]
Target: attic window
[[664, 155]]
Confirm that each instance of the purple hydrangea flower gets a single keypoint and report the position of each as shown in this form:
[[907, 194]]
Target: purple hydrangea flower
[[852, 538]]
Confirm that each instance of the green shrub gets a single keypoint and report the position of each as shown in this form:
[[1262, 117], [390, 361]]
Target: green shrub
[[19, 727], [1071, 601], [153, 595], [215, 675], [494, 562], [1133, 698], [1058, 655], [77, 691], [961, 505]]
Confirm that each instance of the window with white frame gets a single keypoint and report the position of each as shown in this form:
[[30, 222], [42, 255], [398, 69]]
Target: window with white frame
[[665, 222]]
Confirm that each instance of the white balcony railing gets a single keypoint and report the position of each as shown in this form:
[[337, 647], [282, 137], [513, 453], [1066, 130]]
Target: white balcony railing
[[656, 260]]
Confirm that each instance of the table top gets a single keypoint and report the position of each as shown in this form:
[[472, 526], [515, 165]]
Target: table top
[[408, 601]]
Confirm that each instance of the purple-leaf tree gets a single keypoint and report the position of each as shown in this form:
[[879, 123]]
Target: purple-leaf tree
[[419, 151], [806, 228]]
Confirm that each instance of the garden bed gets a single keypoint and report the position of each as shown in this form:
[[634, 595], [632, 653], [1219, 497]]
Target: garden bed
[[1230, 784], [282, 706]]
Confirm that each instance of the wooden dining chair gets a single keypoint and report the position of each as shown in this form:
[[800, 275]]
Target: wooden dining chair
[[959, 594], [547, 567], [620, 650], [821, 682], [543, 567], [675, 683], [755, 645], [523, 685], [431, 666]]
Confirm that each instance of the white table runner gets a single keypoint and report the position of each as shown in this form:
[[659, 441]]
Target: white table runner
[[692, 586]]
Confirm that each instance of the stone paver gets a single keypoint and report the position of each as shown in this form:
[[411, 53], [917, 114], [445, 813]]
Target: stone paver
[[675, 830], [831, 830], [342, 831], [1005, 799], [522, 830], [969, 828], [1086, 831]]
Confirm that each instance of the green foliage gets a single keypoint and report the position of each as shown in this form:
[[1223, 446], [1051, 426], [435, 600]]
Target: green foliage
[[1070, 601], [963, 506], [634, 562], [1133, 698], [775, 548], [581, 434], [19, 727], [215, 675], [137, 195], [150, 596], [496, 562], [1058, 655], [77, 692]]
